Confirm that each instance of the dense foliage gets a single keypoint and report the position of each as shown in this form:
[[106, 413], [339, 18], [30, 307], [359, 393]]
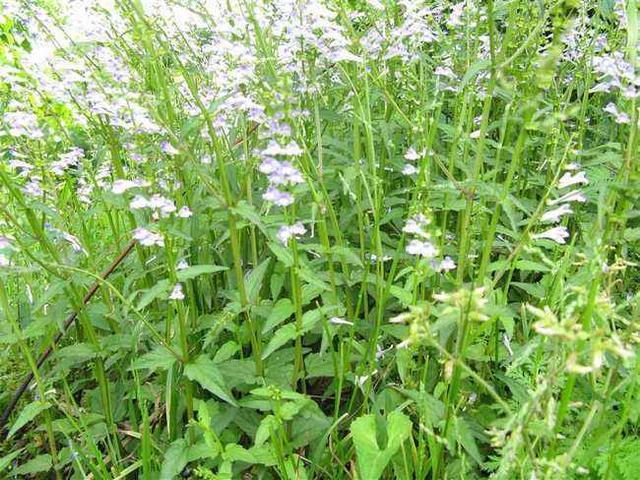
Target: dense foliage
[[320, 239]]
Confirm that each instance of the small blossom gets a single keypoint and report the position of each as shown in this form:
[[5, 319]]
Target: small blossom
[[278, 197], [557, 234], [573, 196], [620, 117], [148, 238], [416, 224], [412, 155], [138, 203], [475, 134], [169, 149], [446, 265], [339, 321], [121, 186], [177, 293], [287, 232], [182, 265], [553, 216], [184, 212], [409, 170], [569, 179], [422, 249]]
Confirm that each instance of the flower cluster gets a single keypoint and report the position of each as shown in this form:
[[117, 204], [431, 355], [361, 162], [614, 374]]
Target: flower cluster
[[561, 205], [411, 156], [161, 206]]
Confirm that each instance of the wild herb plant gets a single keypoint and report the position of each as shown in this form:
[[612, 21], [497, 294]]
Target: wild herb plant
[[319, 239]]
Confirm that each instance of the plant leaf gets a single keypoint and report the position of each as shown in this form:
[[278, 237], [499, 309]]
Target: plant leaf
[[207, 374], [197, 270], [372, 460], [27, 414]]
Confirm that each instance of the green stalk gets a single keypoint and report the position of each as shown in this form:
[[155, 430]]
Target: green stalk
[[8, 315]]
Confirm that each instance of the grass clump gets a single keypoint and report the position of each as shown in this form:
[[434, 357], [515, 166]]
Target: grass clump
[[320, 239]]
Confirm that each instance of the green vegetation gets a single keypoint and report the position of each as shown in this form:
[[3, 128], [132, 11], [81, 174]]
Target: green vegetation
[[332, 239]]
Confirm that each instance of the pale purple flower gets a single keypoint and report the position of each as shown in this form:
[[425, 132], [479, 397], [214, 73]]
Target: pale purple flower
[[620, 117], [569, 179], [138, 203], [416, 224], [409, 170], [148, 238], [184, 212], [182, 264], [446, 265], [274, 148], [573, 196], [278, 197], [412, 155], [422, 249], [287, 232], [121, 186], [177, 293], [553, 216], [169, 149], [557, 234]]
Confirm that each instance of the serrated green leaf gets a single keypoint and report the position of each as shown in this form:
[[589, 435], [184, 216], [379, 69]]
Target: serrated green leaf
[[197, 270], [249, 213], [41, 463], [465, 438], [158, 358], [282, 310], [207, 374], [254, 280], [159, 290], [7, 459], [27, 414], [175, 459]]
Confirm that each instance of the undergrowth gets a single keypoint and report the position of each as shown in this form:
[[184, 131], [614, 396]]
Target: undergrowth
[[319, 239]]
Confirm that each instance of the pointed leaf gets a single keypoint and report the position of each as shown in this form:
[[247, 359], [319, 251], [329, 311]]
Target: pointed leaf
[[207, 374], [27, 414], [196, 270]]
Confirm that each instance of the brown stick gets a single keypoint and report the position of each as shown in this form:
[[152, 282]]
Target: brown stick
[[70, 319]]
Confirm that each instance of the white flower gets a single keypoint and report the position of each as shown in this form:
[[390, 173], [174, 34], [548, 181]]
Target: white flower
[[412, 155], [339, 321], [447, 264], [475, 134], [121, 186], [148, 238], [409, 170], [287, 232], [553, 216], [4, 260], [182, 265], [423, 249], [278, 197], [557, 234], [343, 55], [620, 117], [573, 196], [169, 149], [569, 179], [177, 293], [184, 212], [138, 202]]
